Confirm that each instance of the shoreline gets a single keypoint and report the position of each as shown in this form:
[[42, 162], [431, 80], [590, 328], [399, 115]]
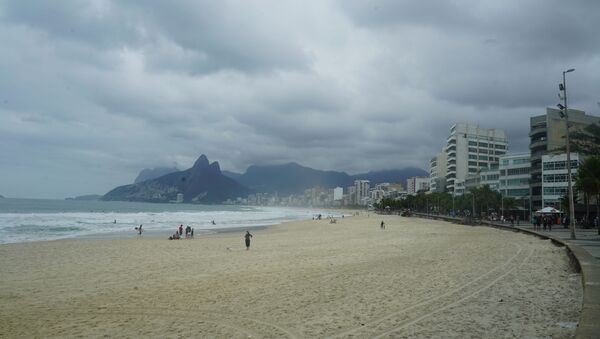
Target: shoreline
[[124, 229], [303, 279]]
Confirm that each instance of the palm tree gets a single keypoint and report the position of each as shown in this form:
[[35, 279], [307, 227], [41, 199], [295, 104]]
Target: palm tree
[[587, 140], [588, 179]]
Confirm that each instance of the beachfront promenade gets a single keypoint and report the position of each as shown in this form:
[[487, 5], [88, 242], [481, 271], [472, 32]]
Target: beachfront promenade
[[585, 249]]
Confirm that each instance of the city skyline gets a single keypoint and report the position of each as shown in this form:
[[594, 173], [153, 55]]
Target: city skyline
[[95, 91]]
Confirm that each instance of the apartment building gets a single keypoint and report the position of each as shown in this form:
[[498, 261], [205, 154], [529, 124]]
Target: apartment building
[[469, 149], [547, 135]]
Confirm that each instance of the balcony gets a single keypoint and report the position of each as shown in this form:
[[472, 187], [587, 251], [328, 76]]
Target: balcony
[[538, 144], [538, 129]]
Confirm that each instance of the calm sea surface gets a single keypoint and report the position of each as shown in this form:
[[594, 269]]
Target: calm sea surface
[[36, 219]]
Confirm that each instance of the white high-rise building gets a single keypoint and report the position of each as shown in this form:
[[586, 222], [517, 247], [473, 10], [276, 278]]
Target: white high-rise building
[[417, 184], [362, 190], [338, 193], [437, 172], [555, 178], [470, 148]]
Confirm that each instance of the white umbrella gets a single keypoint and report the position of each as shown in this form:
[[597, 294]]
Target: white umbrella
[[548, 210]]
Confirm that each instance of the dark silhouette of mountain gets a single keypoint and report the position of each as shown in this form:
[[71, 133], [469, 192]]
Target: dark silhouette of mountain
[[232, 175], [153, 173], [293, 178], [203, 183], [290, 178]]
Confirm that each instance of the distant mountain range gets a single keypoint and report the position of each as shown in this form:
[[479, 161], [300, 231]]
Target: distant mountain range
[[293, 178], [203, 183]]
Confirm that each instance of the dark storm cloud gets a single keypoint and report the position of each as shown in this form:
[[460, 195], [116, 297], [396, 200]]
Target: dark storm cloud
[[502, 54], [93, 91]]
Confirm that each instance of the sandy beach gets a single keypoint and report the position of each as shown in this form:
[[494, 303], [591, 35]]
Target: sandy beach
[[307, 279]]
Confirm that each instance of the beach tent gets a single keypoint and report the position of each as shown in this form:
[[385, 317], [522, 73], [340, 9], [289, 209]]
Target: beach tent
[[548, 210]]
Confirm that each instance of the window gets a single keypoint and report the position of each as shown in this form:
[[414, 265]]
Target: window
[[483, 144], [500, 147], [472, 143], [517, 171], [561, 177], [521, 192], [559, 165], [472, 156], [472, 163], [492, 177], [483, 157], [473, 150], [555, 191]]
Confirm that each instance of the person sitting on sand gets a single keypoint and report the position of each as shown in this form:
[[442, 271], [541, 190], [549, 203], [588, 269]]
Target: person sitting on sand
[[247, 238]]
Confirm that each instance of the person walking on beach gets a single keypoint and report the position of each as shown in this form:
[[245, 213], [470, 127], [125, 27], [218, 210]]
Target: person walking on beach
[[140, 230], [382, 226], [247, 238], [180, 230]]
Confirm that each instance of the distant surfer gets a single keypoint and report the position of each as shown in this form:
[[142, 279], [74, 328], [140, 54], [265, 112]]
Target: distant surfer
[[140, 230], [114, 222], [247, 238], [213, 222]]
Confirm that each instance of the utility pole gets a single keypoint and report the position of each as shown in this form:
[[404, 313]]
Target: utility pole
[[569, 181]]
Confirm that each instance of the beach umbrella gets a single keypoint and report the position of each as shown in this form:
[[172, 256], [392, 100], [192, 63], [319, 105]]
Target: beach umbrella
[[548, 210]]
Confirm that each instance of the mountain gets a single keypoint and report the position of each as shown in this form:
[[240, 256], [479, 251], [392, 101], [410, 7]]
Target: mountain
[[153, 173], [293, 178], [203, 183], [232, 175], [290, 178]]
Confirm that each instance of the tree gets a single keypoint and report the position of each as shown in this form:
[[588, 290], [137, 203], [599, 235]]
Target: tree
[[586, 141], [588, 179]]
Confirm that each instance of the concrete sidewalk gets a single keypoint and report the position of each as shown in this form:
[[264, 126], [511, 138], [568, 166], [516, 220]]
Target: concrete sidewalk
[[586, 238]]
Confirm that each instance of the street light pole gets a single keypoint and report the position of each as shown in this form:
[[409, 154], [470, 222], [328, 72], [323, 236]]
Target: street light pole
[[569, 183]]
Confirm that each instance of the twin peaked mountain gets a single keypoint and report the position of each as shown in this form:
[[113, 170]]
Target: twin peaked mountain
[[204, 183]]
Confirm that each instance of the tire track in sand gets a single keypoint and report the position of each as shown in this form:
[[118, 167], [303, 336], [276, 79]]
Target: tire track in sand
[[396, 320]]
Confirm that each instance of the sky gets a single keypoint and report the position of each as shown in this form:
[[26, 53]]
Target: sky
[[93, 91]]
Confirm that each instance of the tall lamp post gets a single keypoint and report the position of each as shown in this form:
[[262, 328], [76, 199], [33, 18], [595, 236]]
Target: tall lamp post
[[564, 108]]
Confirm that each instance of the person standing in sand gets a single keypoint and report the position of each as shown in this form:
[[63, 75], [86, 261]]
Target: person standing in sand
[[382, 225], [140, 230], [247, 238]]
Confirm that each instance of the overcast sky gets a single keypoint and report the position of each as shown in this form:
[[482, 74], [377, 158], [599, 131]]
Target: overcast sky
[[91, 92]]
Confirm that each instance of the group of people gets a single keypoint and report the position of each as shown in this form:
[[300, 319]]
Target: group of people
[[189, 233], [546, 221]]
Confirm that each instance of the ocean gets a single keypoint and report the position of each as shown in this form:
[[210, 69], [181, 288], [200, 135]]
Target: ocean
[[24, 220]]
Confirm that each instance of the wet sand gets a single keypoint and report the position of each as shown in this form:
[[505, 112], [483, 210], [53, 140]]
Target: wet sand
[[307, 279]]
